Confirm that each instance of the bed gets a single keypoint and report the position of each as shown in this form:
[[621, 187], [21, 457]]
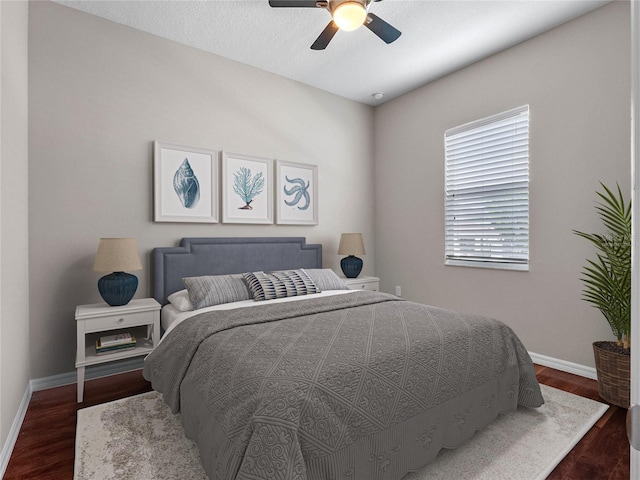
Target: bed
[[324, 382]]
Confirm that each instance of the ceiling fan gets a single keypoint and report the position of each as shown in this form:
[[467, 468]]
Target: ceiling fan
[[346, 15]]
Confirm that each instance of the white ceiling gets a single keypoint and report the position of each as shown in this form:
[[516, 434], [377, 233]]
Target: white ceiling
[[438, 36]]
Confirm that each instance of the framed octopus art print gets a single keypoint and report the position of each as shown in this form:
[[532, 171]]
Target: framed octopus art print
[[185, 183], [296, 193]]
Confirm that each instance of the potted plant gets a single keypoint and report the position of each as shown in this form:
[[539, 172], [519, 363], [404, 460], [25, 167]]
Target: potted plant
[[607, 286]]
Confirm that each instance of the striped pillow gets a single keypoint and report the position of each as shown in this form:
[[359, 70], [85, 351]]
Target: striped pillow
[[212, 290], [326, 279], [281, 284]]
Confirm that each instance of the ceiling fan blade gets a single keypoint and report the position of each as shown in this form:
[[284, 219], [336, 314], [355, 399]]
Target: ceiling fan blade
[[295, 3], [325, 37], [381, 28]]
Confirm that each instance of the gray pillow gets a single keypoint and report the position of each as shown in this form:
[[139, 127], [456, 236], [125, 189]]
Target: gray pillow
[[285, 283], [326, 279], [212, 290]]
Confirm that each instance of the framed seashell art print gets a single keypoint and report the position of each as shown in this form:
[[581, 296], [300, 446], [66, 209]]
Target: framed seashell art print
[[247, 189], [185, 183], [296, 193]]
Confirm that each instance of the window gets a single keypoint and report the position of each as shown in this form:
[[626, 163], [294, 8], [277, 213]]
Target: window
[[487, 192]]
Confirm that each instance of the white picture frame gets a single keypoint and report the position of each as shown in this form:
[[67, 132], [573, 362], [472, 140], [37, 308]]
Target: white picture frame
[[247, 189], [185, 181], [296, 193]]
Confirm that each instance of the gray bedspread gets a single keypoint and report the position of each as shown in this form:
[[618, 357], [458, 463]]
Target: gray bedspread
[[362, 386]]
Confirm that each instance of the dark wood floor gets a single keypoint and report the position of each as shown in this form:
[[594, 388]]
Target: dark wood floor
[[603, 453], [44, 448]]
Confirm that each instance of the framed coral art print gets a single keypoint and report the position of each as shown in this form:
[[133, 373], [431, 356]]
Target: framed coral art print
[[247, 189], [297, 193], [185, 183]]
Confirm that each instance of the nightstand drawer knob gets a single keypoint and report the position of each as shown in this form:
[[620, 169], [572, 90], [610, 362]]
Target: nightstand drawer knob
[[120, 320]]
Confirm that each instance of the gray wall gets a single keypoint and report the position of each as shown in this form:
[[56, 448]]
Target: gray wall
[[576, 80], [14, 281], [99, 94]]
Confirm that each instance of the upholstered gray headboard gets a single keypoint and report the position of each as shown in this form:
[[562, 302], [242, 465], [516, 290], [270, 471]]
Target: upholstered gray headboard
[[221, 256]]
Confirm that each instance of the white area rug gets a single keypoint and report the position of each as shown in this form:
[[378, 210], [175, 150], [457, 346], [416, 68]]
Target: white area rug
[[138, 438]]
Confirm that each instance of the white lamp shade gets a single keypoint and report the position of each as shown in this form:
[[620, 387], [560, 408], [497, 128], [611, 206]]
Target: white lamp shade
[[351, 244], [117, 255]]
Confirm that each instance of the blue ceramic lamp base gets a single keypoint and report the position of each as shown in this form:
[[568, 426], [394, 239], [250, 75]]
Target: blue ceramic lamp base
[[351, 266], [118, 288]]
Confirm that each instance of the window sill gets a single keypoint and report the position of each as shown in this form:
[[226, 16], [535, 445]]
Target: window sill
[[519, 267]]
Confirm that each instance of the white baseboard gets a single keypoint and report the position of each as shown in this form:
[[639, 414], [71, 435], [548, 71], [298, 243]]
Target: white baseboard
[[97, 371], [564, 366], [7, 448], [53, 381]]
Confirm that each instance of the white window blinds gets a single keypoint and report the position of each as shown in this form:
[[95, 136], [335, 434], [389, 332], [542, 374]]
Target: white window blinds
[[487, 191]]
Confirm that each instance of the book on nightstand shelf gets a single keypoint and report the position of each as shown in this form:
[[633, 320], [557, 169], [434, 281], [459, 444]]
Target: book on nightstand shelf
[[119, 339], [102, 349]]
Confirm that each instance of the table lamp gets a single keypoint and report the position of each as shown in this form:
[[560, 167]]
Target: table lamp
[[351, 244], [117, 255]]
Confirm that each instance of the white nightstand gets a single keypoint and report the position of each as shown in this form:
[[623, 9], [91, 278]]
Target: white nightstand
[[139, 317], [363, 283]]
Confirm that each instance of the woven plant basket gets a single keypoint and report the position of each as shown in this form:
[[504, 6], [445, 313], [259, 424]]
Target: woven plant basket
[[614, 375]]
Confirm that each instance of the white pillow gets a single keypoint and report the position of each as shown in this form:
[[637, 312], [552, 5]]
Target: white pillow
[[181, 300]]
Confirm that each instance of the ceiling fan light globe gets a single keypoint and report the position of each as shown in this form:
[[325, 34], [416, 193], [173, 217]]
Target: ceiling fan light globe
[[349, 15]]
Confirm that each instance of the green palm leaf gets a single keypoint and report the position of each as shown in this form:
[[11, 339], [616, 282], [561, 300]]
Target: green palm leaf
[[607, 278]]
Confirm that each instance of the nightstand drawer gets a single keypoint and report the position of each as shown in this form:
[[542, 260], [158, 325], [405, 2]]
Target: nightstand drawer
[[110, 322], [363, 283], [373, 286]]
